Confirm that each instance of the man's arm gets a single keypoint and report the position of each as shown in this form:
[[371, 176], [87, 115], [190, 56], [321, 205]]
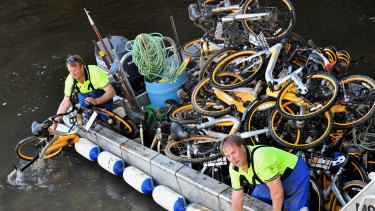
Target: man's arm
[[63, 107], [237, 200], [277, 193], [109, 93]]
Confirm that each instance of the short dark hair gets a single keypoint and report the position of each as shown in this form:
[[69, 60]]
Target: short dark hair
[[232, 139]]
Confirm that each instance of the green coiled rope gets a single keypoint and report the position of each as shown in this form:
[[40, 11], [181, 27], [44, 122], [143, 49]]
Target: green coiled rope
[[149, 53]]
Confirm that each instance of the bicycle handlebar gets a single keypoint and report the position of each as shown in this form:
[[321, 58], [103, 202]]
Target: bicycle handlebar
[[37, 128]]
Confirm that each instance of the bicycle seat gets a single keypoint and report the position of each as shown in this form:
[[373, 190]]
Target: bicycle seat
[[37, 128], [177, 131]]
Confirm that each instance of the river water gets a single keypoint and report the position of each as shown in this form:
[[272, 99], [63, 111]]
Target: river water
[[36, 36]]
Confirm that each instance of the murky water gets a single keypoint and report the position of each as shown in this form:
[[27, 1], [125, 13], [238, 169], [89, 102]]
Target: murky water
[[35, 37]]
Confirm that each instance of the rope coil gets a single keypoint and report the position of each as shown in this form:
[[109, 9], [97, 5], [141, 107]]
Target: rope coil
[[152, 58]]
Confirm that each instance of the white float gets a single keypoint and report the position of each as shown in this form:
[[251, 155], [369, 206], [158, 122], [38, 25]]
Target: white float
[[196, 207], [111, 163], [168, 199], [138, 180], [87, 149]]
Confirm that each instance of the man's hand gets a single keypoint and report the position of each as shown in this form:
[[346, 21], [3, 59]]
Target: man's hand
[[91, 101], [52, 128]]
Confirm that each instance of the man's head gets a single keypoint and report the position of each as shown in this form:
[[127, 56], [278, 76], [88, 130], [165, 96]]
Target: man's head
[[233, 148], [75, 66]]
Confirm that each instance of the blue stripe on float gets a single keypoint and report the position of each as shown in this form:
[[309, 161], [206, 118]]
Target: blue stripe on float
[[94, 152], [179, 205], [118, 167], [147, 186]]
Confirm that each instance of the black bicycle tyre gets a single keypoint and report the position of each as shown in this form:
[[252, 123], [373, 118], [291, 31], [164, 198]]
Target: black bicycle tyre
[[315, 188], [169, 151], [356, 185], [271, 35], [173, 114], [259, 112], [190, 44], [218, 55], [274, 128], [355, 107], [31, 142], [199, 109], [223, 65], [282, 98], [126, 126]]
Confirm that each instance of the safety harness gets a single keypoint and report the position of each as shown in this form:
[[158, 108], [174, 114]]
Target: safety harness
[[250, 158], [75, 88]]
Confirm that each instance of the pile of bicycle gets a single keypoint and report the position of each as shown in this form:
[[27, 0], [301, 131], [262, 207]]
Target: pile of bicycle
[[251, 75], [267, 84]]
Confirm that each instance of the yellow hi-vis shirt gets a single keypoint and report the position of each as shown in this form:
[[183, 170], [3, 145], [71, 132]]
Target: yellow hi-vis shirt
[[269, 163], [98, 77]]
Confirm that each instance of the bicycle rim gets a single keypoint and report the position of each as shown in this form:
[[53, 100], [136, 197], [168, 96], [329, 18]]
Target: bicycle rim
[[297, 134], [120, 124], [192, 48], [184, 114], [212, 61], [197, 149], [350, 189], [357, 104], [323, 91], [206, 103], [257, 118], [316, 198], [31, 146], [247, 70], [274, 26]]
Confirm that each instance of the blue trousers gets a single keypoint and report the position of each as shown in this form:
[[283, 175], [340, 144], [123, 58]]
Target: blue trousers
[[296, 188], [95, 94]]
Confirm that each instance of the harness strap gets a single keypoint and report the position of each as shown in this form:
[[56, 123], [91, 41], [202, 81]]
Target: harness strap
[[255, 176], [75, 87]]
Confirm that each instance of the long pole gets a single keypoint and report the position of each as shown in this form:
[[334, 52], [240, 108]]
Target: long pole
[[99, 36]]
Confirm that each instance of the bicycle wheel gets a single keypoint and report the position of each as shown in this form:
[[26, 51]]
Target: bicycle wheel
[[297, 134], [247, 70], [323, 91], [196, 149], [185, 114], [194, 48], [316, 198], [279, 22], [357, 101], [296, 41], [348, 191], [207, 104], [115, 122], [353, 171], [212, 61], [370, 166], [257, 118], [30, 147]]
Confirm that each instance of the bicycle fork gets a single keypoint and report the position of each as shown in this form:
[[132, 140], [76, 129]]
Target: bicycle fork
[[333, 187]]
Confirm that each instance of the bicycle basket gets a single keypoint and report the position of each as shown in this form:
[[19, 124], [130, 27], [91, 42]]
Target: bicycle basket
[[258, 40], [319, 162]]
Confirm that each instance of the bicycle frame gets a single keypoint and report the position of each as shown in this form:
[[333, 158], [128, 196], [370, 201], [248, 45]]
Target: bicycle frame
[[234, 129], [245, 94], [233, 9], [334, 186]]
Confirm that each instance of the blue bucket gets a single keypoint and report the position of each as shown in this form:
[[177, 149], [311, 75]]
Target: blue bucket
[[160, 92]]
